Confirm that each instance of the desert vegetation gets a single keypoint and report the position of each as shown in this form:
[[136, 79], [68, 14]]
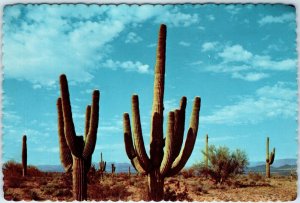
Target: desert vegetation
[[189, 185], [160, 176]]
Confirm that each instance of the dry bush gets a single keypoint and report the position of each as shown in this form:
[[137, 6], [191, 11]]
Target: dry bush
[[188, 173], [172, 195], [107, 191], [255, 176]]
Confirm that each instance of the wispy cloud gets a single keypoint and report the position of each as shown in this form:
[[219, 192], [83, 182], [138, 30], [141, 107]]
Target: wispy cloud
[[243, 64], [284, 18], [267, 103], [208, 46], [232, 9], [127, 66], [43, 41], [184, 44], [133, 38]]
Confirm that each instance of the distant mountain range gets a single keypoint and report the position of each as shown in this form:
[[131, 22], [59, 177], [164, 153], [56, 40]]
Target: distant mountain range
[[120, 167], [277, 162], [281, 166]]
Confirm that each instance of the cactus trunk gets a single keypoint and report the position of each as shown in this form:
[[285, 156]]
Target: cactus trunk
[[166, 156], [268, 171], [206, 151], [79, 179], [24, 156], [155, 186]]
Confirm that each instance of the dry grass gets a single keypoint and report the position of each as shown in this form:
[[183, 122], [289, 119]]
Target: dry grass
[[186, 187]]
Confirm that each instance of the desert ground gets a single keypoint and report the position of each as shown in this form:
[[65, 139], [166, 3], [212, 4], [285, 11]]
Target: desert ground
[[186, 186]]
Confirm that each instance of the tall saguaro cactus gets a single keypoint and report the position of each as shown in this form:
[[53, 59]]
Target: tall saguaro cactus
[[166, 159], [102, 167], [24, 155], [206, 151], [269, 159], [76, 151]]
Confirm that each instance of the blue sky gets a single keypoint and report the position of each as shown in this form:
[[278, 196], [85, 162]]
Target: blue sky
[[240, 59]]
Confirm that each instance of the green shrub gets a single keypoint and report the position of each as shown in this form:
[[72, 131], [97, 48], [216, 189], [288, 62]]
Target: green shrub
[[223, 163]]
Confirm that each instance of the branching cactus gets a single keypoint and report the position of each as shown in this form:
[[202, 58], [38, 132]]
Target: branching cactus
[[113, 169], [102, 167], [269, 159], [206, 151], [166, 156], [24, 155], [76, 151]]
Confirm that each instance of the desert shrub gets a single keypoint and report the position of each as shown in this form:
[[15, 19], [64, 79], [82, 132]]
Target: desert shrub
[[12, 168], [106, 191], [255, 176], [223, 163], [171, 195], [188, 173]]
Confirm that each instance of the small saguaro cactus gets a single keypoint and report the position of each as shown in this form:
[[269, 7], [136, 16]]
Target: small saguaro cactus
[[206, 151], [24, 155], [113, 169], [166, 159], [129, 173], [102, 167], [76, 151], [269, 159]]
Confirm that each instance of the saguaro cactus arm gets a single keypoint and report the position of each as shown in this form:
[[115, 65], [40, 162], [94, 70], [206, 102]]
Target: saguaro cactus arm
[[137, 134], [68, 119], [130, 150], [272, 157], [64, 151], [184, 155], [169, 147], [90, 143], [179, 127], [87, 121]]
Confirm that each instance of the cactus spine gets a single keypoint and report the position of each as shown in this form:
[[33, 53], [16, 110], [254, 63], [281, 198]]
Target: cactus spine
[[162, 162], [24, 155], [102, 167], [269, 159], [206, 151], [76, 151]]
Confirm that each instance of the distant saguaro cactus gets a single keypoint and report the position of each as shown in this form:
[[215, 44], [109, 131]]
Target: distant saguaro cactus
[[102, 167], [166, 159], [24, 155], [113, 169], [76, 151], [206, 150], [269, 159], [129, 173]]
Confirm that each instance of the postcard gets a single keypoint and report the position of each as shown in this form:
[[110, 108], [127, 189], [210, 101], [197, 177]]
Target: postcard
[[149, 102]]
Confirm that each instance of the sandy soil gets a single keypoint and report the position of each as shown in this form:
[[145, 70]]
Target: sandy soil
[[57, 186]]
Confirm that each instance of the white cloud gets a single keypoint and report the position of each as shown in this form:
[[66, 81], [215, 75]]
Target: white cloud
[[267, 103], [265, 62], [127, 66], [185, 44], [251, 76], [242, 64], [52, 39], [284, 18], [133, 38], [235, 53], [232, 9], [208, 46], [211, 17]]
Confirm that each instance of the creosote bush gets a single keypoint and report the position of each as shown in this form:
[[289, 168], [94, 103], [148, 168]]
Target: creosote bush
[[223, 163]]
